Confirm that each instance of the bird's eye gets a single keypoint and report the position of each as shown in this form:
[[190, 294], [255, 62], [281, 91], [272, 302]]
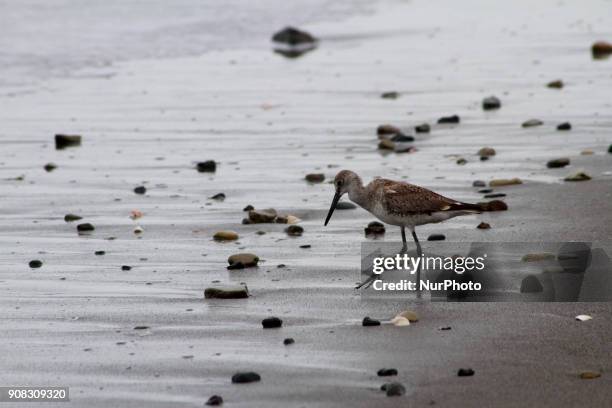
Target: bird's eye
[[339, 183]]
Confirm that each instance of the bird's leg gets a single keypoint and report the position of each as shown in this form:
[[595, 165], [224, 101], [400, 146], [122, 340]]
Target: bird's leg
[[419, 254], [405, 244]]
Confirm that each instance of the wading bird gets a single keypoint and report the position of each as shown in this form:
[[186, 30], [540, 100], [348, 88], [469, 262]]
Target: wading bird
[[398, 203]]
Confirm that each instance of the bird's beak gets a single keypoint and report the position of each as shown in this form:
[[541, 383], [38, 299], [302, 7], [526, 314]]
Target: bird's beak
[[333, 206]]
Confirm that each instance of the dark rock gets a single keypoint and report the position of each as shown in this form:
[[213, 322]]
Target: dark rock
[[288, 341], [491, 103], [208, 166], [64, 141], [557, 84], [486, 152], [493, 205], [141, 328], [242, 260], [387, 372], [248, 208], [485, 191], [484, 158], [100, 253], [531, 284], [49, 167], [465, 372], [370, 322], [271, 323], [495, 195], [140, 190], [393, 389], [436, 237], [86, 227], [610, 149], [444, 328], [564, 126], [390, 95], [225, 236], [387, 130], [262, 216], [306, 246], [218, 196], [345, 205], [601, 49], [374, 228], [558, 163], [479, 183], [461, 161], [245, 377], [35, 264], [532, 123], [422, 128], [484, 225], [226, 292], [449, 119], [126, 268], [315, 178], [293, 36], [72, 217], [294, 231], [236, 265], [214, 401]]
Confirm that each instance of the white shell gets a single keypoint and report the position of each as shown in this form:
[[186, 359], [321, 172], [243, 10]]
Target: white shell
[[583, 318], [138, 230], [400, 321]]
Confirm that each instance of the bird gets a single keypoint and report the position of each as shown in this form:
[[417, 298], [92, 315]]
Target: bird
[[398, 203]]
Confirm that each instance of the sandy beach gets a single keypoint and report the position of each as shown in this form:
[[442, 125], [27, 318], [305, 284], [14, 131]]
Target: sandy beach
[[267, 121]]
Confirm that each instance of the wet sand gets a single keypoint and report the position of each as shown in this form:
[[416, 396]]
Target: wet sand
[[268, 121]]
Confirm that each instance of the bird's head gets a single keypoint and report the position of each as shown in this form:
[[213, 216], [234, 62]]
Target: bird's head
[[344, 181]]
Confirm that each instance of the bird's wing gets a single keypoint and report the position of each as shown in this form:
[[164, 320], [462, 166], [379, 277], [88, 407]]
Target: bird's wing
[[404, 199]]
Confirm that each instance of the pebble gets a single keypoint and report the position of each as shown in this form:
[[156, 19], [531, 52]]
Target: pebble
[[293, 36], [49, 167], [386, 372], [387, 130], [422, 128], [126, 268], [505, 182], [288, 341], [478, 183], [242, 260], [538, 257], [225, 236], [445, 328], [245, 377], [390, 95], [248, 208], [100, 253], [589, 375], [63, 141], [208, 166], [140, 190], [564, 126], [449, 119], [218, 196], [557, 84], [461, 161], [86, 227], [226, 292], [35, 264], [294, 231], [72, 217], [485, 191], [490, 103], [393, 389], [374, 228], [436, 237], [315, 177], [486, 152], [214, 401], [262, 216], [558, 163], [345, 205], [306, 246], [495, 195], [610, 149], [367, 321], [601, 49], [465, 372], [493, 205], [531, 284], [271, 323], [579, 176], [532, 123], [484, 225]]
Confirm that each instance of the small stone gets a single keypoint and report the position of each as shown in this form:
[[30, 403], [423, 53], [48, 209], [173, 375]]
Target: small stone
[[484, 225], [225, 236], [294, 231], [495, 195], [271, 323], [63, 141], [100, 253], [226, 292], [601, 49], [445, 328], [587, 152], [390, 95], [374, 228], [387, 130], [422, 128], [262, 216], [486, 152], [532, 123], [579, 176], [49, 167], [558, 163], [393, 389], [72, 217], [478, 183], [126, 268], [449, 119], [436, 237], [485, 191], [218, 196], [564, 126], [610, 149], [86, 227], [538, 257], [493, 205], [141, 328], [214, 401], [461, 161], [556, 84], [288, 341], [248, 208], [345, 205], [315, 178], [465, 372], [583, 318], [505, 182], [208, 166], [589, 375], [386, 372], [370, 322], [306, 246], [242, 260], [140, 190], [35, 264], [293, 36], [531, 284], [386, 144], [245, 377], [491, 103]]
